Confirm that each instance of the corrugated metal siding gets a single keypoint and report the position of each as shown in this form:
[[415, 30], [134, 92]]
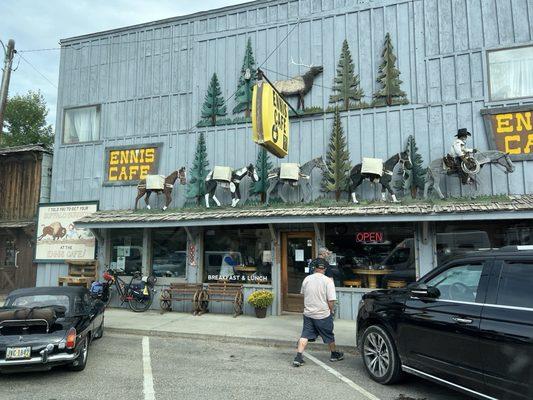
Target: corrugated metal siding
[[151, 81]]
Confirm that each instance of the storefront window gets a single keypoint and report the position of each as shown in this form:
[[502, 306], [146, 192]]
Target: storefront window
[[372, 255], [82, 125], [511, 73], [169, 253], [127, 250], [238, 255], [455, 239]]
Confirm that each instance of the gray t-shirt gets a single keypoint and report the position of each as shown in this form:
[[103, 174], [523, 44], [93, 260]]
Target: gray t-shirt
[[317, 289]]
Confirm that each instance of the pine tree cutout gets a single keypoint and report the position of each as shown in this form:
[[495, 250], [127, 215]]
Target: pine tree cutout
[[389, 78], [247, 79], [346, 85], [214, 102], [196, 184], [413, 180], [336, 179], [262, 166]]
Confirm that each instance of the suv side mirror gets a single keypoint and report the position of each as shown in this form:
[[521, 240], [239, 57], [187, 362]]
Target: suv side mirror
[[424, 291]]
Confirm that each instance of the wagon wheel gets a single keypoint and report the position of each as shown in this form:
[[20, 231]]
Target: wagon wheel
[[237, 304], [203, 302], [195, 304], [166, 300]]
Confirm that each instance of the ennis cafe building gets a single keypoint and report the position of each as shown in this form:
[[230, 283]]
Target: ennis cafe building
[[404, 76]]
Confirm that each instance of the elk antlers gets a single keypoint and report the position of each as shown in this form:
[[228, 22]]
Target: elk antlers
[[301, 63]]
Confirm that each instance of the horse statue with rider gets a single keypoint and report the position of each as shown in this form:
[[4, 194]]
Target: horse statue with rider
[[465, 163]]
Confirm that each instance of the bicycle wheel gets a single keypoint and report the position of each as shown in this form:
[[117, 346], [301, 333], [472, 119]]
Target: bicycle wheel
[[107, 295], [141, 303]]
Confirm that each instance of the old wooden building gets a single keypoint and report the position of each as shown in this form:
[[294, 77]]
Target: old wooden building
[[25, 177], [149, 89]]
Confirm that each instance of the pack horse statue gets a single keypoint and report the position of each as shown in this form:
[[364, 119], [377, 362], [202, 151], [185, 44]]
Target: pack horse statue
[[375, 170], [227, 178], [159, 184]]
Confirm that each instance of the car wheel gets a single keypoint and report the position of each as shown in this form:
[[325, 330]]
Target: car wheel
[[100, 332], [80, 362], [380, 356]]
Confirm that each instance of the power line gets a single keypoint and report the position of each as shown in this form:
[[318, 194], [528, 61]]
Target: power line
[[37, 50], [35, 68]]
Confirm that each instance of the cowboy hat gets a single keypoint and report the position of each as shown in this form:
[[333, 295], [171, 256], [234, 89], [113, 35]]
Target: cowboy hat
[[463, 132]]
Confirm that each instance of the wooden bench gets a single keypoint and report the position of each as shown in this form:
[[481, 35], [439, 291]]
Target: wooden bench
[[194, 293], [80, 273], [225, 292]]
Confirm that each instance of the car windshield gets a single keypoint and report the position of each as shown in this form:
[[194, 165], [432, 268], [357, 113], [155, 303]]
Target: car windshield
[[41, 300]]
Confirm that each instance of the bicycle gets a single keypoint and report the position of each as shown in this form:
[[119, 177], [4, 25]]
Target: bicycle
[[139, 296]]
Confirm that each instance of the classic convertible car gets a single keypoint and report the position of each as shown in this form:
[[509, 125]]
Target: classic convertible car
[[44, 327]]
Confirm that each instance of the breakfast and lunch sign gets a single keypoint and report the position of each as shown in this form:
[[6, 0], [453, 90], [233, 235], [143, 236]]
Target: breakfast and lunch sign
[[510, 130], [127, 165], [270, 120], [58, 239]]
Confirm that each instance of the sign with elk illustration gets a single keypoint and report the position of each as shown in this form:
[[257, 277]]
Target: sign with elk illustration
[[58, 239]]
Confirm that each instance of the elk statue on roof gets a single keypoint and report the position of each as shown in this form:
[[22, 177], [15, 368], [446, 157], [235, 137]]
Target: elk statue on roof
[[299, 85]]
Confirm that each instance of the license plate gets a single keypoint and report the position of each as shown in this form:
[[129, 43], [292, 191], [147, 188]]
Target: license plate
[[13, 353]]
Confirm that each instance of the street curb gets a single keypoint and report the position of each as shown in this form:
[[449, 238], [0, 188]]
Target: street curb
[[226, 339]]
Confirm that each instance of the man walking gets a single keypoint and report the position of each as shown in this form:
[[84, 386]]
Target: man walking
[[319, 299]]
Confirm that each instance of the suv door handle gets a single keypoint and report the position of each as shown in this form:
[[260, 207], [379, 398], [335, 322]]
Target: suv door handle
[[464, 321]]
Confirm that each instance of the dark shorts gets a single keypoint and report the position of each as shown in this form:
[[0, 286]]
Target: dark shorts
[[319, 327]]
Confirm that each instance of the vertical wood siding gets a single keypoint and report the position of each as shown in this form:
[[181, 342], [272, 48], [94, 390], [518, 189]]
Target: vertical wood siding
[[151, 82]]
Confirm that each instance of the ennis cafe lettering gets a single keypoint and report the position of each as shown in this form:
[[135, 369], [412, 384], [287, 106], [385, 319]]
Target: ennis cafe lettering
[[131, 164], [511, 131]]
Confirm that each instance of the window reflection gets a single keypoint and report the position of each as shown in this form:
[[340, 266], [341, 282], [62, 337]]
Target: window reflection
[[169, 253]]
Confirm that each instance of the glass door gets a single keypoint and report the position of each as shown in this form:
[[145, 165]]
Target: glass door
[[298, 249]]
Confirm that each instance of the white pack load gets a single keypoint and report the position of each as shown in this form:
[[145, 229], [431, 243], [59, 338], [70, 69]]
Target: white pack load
[[289, 171], [372, 166], [222, 173], [155, 182]]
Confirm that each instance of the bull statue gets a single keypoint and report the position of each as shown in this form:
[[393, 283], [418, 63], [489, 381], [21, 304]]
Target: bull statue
[[299, 85]]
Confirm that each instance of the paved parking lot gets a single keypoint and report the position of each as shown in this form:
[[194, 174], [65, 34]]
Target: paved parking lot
[[197, 369]]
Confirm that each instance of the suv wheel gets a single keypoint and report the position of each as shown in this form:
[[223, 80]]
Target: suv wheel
[[380, 356]]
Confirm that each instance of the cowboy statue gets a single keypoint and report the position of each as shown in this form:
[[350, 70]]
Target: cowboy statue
[[460, 159]]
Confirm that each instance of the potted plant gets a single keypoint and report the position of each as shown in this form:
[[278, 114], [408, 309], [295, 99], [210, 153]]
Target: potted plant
[[261, 299]]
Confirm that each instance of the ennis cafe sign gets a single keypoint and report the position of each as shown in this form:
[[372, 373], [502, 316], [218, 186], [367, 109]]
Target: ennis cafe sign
[[127, 165], [511, 130]]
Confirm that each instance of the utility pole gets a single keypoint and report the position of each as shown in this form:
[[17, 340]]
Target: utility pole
[[9, 53]]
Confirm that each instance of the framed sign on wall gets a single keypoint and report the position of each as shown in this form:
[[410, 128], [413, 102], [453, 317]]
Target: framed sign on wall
[[57, 237], [127, 165], [510, 129]]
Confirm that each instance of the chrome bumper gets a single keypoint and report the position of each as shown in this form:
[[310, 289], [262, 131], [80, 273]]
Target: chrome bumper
[[40, 360]]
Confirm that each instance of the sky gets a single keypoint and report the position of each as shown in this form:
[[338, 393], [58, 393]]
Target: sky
[[36, 24]]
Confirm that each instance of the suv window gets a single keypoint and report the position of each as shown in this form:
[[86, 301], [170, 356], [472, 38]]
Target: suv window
[[516, 283], [458, 283]]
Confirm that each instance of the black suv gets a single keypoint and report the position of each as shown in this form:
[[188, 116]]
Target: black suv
[[467, 324]]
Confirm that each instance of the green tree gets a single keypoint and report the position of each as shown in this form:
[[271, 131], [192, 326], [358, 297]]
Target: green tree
[[247, 79], [196, 185], [25, 121], [336, 179], [346, 85], [214, 102], [389, 78], [262, 166], [413, 180]]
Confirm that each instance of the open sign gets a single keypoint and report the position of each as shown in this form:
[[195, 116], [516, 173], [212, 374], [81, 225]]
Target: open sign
[[369, 237]]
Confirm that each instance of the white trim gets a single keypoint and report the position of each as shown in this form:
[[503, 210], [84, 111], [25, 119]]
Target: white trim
[[434, 378], [479, 304]]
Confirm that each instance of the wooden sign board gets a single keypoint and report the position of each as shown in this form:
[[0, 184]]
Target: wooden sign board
[[270, 120], [510, 130], [127, 165]]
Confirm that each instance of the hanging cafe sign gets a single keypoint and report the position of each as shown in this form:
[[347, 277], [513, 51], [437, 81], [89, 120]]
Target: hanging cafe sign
[[127, 165], [510, 130], [270, 119]]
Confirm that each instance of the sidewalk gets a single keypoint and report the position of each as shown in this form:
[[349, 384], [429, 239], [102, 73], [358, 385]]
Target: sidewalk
[[277, 331]]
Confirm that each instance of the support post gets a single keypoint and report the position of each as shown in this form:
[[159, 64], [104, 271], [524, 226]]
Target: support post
[[273, 234], [9, 53], [188, 232]]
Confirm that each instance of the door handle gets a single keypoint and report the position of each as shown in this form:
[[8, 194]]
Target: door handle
[[464, 321]]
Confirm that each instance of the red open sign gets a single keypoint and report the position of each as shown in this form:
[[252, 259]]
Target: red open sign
[[369, 237]]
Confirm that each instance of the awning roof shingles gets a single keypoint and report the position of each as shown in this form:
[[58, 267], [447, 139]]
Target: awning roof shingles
[[262, 214]]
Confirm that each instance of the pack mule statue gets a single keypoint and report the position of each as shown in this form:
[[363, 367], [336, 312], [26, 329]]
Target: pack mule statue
[[168, 185]]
